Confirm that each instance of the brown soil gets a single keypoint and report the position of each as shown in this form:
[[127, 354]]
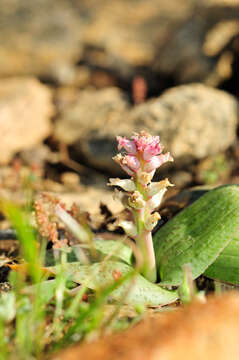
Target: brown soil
[[196, 332]]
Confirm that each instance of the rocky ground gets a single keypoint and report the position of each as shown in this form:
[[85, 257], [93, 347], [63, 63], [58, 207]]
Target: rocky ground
[[196, 332], [74, 74]]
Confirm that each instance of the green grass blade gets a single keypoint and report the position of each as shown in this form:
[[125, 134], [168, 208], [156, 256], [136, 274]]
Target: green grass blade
[[26, 237]]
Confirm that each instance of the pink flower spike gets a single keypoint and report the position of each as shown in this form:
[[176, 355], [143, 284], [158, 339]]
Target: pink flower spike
[[120, 159], [127, 170], [126, 144], [157, 161], [152, 150], [132, 162]]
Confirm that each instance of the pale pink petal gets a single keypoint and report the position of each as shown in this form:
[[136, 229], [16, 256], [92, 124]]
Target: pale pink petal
[[152, 150], [144, 178], [144, 141], [128, 227], [125, 184], [156, 200], [151, 221], [132, 162], [120, 159], [127, 170], [126, 144], [155, 187], [157, 161]]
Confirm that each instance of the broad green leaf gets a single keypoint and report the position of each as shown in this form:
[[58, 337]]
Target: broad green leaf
[[114, 248], [136, 290], [197, 235], [226, 266]]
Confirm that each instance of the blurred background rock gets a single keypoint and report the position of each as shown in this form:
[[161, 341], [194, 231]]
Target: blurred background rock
[[75, 73]]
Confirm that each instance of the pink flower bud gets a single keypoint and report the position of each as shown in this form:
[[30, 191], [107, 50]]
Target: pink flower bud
[[126, 144], [120, 159], [132, 162], [144, 141], [157, 161], [152, 150]]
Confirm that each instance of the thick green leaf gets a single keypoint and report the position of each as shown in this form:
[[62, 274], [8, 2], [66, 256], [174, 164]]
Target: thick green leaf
[[114, 248], [197, 235], [136, 290], [226, 266]]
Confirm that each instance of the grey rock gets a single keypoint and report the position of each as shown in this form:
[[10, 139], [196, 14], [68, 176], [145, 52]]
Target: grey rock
[[181, 178], [92, 123], [193, 121]]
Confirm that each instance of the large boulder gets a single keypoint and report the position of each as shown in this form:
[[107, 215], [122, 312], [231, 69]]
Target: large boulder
[[193, 121], [92, 123]]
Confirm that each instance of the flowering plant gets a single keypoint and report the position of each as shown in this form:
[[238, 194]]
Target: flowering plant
[[143, 155]]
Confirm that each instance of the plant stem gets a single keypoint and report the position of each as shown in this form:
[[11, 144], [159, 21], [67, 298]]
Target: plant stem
[[149, 269], [145, 243]]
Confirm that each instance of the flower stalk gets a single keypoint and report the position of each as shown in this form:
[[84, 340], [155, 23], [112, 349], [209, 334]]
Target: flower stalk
[[142, 156]]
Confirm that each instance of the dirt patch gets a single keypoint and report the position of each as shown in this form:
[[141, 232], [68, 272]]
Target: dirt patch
[[199, 332]]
